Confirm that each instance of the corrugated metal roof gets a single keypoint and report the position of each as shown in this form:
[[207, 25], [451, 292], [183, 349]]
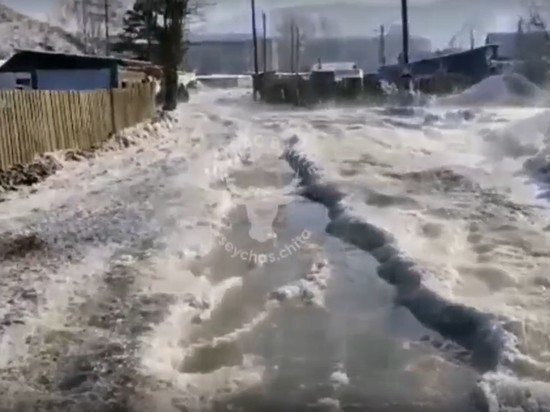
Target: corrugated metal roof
[[29, 60], [454, 54], [53, 54], [471, 63]]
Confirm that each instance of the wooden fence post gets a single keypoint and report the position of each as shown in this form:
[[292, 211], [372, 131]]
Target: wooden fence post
[[35, 121]]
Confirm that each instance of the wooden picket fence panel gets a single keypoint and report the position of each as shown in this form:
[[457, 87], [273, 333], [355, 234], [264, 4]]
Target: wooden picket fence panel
[[38, 121]]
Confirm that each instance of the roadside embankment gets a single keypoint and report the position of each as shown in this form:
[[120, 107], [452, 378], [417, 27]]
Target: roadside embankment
[[48, 164]]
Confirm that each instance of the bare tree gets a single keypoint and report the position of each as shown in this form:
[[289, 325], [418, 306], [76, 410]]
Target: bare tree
[[294, 30], [538, 13], [170, 20], [533, 42], [89, 19], [327, 27], [299, 29]]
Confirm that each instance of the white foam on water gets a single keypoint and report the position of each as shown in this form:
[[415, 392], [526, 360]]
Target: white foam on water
[[58, 294], [162, 188], [499, 90], [477, 227], [165, 348], [178, 269]]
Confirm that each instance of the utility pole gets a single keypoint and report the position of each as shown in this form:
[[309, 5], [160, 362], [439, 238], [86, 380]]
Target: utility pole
[[298, 47], [84, 17], [292, 45], [406, 72], [405, 26], [254, 36], [382, 47], [107, 40], [264, 21]]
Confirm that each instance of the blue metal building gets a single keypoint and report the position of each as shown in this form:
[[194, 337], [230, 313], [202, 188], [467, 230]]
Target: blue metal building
[[61, 71]]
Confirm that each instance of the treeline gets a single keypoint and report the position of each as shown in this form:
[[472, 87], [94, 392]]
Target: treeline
[[533, 42]]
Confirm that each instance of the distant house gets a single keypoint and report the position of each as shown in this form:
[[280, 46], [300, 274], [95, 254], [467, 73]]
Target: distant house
[[362, 50], [228, 54], [59, 71], [341, 70]]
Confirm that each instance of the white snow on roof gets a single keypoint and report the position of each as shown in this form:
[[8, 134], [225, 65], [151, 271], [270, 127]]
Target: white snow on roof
[[333, 66]]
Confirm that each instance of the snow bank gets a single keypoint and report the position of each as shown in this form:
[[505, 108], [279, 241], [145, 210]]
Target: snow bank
[[47, 164]]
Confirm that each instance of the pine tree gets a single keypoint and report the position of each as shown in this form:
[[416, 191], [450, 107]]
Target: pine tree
[[161, 25], [140, 32]]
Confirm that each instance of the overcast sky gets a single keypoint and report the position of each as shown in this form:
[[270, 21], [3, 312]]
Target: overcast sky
[[437, 19]]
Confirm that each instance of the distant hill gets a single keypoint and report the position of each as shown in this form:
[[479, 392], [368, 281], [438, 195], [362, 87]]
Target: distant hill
[[18, 31]]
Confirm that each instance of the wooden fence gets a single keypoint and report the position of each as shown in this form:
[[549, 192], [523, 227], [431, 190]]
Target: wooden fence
[[37, 121]]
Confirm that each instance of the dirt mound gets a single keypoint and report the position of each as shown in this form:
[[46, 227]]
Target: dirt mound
[[441, 179], [17, 246], [29, 174]]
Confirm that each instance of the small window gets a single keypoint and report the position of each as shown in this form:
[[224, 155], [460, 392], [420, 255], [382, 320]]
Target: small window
[[23, 82]]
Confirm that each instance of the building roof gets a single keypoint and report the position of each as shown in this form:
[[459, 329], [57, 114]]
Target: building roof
[[24, 60], [334, 66], [461, 53], [433, 64]]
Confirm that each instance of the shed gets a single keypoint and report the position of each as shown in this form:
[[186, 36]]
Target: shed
[[340, 69], [474, 64], [60, 71]]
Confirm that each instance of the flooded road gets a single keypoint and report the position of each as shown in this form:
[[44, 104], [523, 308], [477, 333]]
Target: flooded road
[[189, 272]]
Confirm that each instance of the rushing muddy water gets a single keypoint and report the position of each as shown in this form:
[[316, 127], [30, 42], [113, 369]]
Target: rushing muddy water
[[257, 258]]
